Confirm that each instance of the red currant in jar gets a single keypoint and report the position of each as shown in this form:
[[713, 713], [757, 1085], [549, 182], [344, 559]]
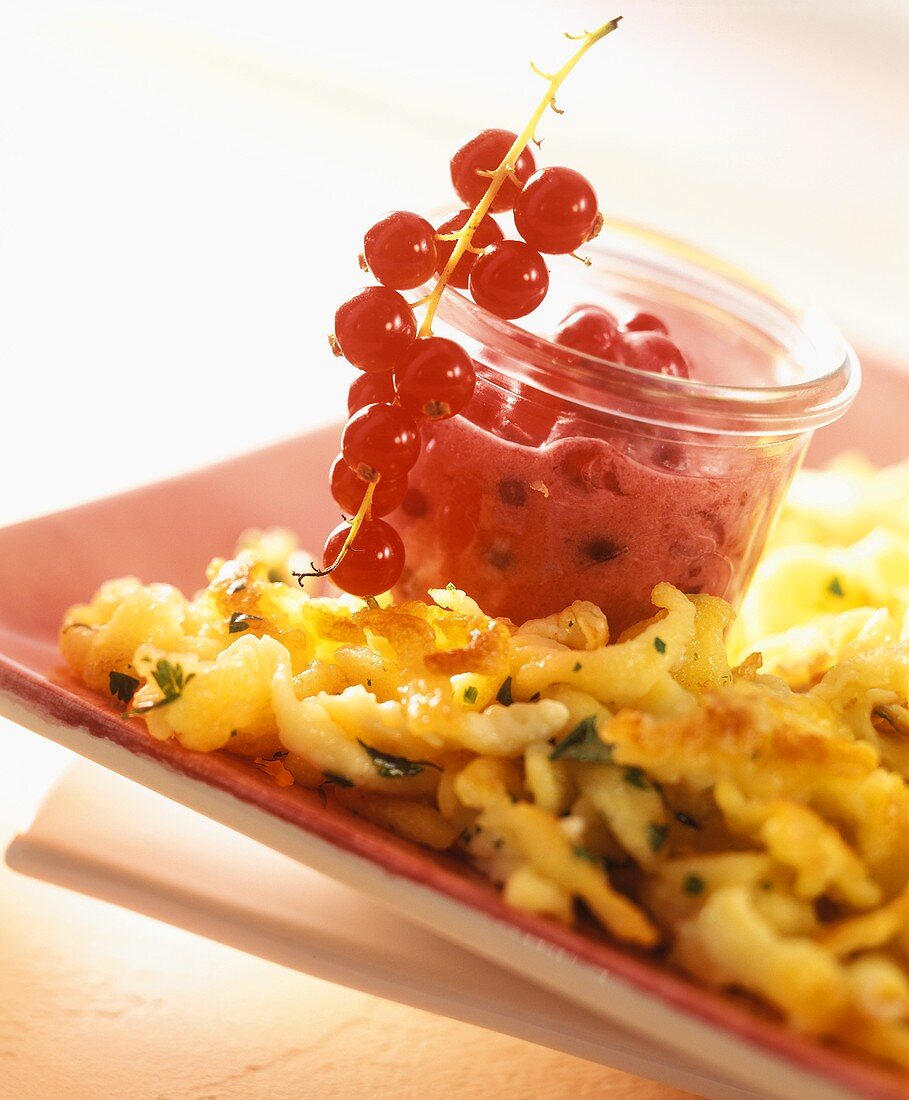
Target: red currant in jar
[[485, 234], [650, 351], [374, 561], [435, 378], [556, 210], [374, 327], [645, 322], [349, 490], [367, 389], [509, 279], [401, 250], [588, 329], [484, 153], [380, 441]]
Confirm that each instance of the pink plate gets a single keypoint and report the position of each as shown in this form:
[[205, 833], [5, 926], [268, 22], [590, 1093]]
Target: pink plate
[[168, 532]]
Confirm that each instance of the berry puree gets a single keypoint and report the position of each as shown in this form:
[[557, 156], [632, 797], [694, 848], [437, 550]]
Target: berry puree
[[526, 526]]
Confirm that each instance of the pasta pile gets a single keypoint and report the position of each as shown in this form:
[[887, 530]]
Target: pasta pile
[[750, 822]]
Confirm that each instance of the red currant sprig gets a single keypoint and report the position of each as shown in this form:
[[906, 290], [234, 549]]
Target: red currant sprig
[[409, 375]]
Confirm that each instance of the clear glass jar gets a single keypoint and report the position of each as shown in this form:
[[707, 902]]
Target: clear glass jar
[[569, 477]]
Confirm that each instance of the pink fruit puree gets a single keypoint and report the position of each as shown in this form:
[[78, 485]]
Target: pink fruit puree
[[528, 508]]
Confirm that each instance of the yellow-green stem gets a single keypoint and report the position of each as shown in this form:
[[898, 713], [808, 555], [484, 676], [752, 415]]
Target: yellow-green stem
[[465, 234]]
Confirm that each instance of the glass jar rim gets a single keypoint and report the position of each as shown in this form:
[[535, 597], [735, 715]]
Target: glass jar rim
[[603, 386]]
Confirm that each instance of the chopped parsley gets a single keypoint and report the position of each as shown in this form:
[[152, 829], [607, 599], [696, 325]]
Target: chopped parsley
[[470, 694], [835, 588], [584, 744], [171, 682], [534, 697], [338, 780], [577, 666], [635, 777], [583, 853], [451, 587], [659, 645], [693, 884], [123, 686], [240, 621], [395, 767], [685, 819], [656, 835], [279, 755], [504, 695]]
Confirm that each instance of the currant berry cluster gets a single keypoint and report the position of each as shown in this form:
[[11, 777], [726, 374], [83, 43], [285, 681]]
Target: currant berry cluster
[[642, 341], [411, 377]]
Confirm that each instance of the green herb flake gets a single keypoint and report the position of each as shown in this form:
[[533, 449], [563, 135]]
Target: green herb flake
[[240, 621], [577, 666], [656, 835], [583, 853], [693, 884], [451, 587], [659, 645], [338, 780], [584, 744], [470, 695], [122, 686], [233, 733], [171, 682], [687, 820], [504, 695], [635, 777], [275, 576], [889, 715], [535, 697], [395, 767], [835, 588]]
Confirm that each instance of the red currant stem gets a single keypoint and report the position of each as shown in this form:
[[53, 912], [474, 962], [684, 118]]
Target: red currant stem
[[355, 524], [506, 168]]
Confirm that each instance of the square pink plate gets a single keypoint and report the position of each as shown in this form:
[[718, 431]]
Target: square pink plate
[[168, 532]]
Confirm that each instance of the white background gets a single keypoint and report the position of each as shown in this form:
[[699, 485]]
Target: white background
[[183, 185]]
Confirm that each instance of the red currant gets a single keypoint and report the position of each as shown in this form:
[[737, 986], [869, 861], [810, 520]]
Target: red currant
[[509, 279], [380, 441], [484, 153], [373, 562], [650, 351], [588, 329], [556, 210], [401, 250], [348, 490], [435, 378], [367, 389], [645, 322], [485, 234], [374, 327]]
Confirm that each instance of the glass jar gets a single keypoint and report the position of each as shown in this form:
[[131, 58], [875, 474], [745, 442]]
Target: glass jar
[[573, 478]]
